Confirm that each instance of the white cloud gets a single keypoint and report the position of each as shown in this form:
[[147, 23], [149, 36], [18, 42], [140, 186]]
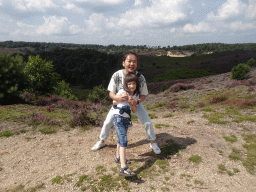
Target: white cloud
[[98, 22], [137, 2], [229, 10], [173, 30], [161, 12], [30, 5], [73, 7], [111, 2], [203, 4], [58, 26], [251, 12], [200, 27], [239, 26]]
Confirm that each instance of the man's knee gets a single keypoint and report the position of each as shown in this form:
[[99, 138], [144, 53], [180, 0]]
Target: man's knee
[[148, 125]]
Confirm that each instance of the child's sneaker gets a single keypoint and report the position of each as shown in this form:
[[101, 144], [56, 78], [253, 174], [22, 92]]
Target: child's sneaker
[[98, 145], [155, 148]]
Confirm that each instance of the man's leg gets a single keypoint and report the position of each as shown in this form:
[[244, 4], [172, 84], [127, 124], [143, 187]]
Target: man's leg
[[142, 114], [108, 123]]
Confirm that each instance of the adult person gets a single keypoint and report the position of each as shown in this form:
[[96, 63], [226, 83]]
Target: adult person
[[130, 61]]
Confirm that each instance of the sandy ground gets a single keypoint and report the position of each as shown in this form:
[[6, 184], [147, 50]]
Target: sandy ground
[[43, 157]]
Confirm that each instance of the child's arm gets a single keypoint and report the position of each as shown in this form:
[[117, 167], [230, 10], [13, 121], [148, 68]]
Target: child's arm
[[133, 104]]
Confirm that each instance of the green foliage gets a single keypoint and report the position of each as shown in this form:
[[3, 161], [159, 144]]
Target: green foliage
[[251, 62], [41, 76], [240, 71], [164, 87], [182, 73], [99, 93], [12, 77], [195, 159], [231, 139], [62, 89], [6, 133], [58, 180]]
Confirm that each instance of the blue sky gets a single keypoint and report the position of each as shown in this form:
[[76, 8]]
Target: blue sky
[[129, 22]]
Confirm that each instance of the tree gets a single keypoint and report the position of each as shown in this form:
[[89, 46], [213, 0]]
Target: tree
[[240, 71], [251, 62], [12, 77], [41, 76]]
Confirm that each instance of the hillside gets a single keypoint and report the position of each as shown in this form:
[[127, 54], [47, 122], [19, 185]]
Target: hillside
[[206, 133]]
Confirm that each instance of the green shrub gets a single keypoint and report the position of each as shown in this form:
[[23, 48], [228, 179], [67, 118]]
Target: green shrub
[[12, 77], [251, 62], [164, 87], [99, 93], [41, 76], [240, 71], [62, 89]]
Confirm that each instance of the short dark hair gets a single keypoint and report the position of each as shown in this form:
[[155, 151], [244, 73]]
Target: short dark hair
[[132, 77], [130, 53]]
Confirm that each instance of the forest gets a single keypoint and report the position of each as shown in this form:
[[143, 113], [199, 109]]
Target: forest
[[87, 66]]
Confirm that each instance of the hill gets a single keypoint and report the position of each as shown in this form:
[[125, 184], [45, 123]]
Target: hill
[[206, 132]]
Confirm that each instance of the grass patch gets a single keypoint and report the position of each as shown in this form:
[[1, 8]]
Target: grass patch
[[171, 148], [82, 178], [215, 118], [207, 109], [168, 115], [184, 175], [192, 109], [16, 189], [47, 130], [250, 161], [244, 118], [37, 187], [152, 116], [221, 168], [195, 159], [6, 134], [192, 121], [58, 180], [235, 155], [161, 125], [230, 139], [100, 169], [134, 117], [1, 169], [23, 131], [236, 170], [28, 138], [197, 182], [162, 164], [181, 73], [220, 151]]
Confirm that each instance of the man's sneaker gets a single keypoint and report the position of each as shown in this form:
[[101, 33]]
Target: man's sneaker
[[155, 148], [98, 145]]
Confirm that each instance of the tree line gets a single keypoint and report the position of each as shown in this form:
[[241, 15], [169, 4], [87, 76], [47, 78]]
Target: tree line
[[198, 48]]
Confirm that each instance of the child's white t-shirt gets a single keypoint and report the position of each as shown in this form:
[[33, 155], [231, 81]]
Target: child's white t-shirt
[[121, 104], [117, 80]]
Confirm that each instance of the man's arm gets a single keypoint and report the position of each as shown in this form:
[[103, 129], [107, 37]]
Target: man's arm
[[117, 98]]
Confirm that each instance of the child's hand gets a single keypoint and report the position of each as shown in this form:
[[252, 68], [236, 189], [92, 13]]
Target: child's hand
[[132, 101]]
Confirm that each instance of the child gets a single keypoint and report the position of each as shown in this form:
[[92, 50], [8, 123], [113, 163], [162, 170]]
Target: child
[[122, 119]]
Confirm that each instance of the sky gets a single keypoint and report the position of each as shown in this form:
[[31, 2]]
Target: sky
[[129, 22]]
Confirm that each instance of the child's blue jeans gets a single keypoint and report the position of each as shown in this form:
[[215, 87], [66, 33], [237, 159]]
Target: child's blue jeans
[[140, 113], [121, 125]]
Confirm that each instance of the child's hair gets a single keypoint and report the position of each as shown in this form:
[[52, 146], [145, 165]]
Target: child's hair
[[132, 77]]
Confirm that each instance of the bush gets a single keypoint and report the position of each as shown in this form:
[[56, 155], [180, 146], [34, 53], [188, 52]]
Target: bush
[[99, 93], [240, 71], [41, 76], [62, 89], [12, 77], [251, 62], [164, 87]]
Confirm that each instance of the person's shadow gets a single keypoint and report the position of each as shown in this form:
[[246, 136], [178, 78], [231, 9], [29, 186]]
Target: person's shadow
[[169, 146]]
